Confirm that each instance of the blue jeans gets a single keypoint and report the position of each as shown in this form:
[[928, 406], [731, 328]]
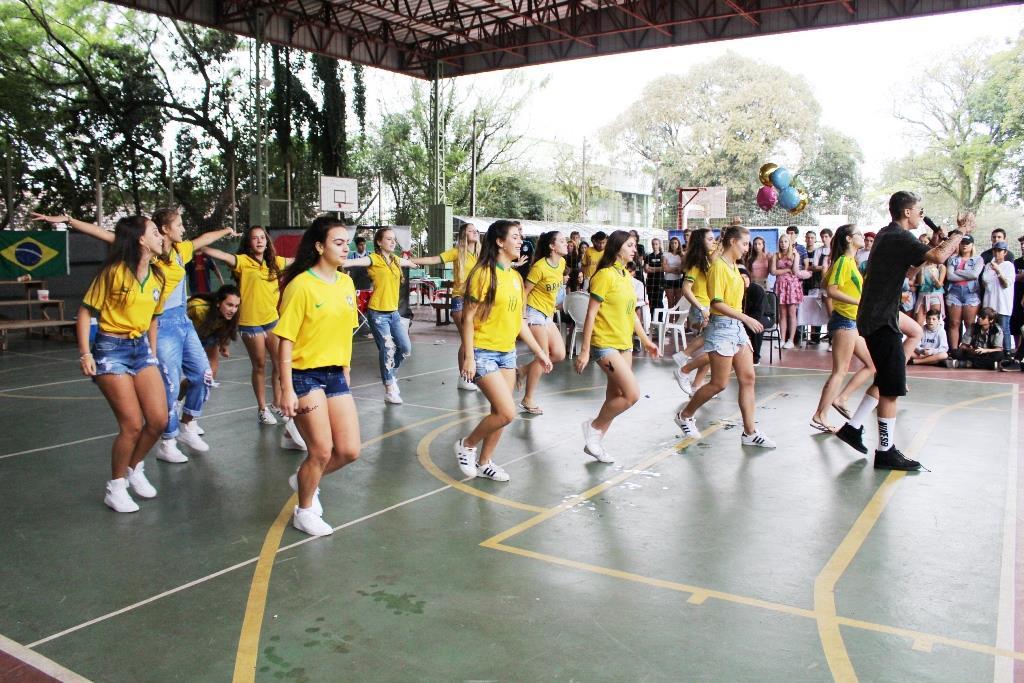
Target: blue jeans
[[392, 341], [181, 354], [1004, 325]]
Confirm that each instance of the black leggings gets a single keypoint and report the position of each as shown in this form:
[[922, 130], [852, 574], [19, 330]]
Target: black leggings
[[984, 361]]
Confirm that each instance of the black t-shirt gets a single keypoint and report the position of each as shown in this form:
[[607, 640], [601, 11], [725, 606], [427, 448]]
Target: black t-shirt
[[895, 250], [655, 280], [526, 250], [1018, 285]]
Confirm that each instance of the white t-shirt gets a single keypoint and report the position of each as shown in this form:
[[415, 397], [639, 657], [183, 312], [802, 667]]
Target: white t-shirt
[[997, 297], [672, 261]]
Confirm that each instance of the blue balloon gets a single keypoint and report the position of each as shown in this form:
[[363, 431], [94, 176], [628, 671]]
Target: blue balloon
[[781, 178], [788, 197]]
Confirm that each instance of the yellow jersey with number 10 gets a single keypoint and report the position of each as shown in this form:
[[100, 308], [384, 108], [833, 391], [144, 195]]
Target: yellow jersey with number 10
[[498, 332]]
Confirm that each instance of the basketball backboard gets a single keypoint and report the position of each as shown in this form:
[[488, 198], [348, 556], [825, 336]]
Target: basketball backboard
[[339, 194], [700, 202]]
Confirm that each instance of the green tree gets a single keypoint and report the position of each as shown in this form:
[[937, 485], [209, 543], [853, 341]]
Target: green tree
[[967, 127], [833, 178], [511, 193]]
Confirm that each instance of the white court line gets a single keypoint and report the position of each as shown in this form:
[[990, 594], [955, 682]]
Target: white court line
[[36, 355], [1008, 577], [39, 662], [48, 384], [105, 436], [909, 376], [226, 570], [419, 374], [406, 403]]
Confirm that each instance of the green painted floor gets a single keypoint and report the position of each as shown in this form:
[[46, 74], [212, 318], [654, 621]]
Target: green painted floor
[[690, 565]]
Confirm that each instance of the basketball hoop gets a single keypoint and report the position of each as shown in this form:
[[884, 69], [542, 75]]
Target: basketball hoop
[[700, 202]]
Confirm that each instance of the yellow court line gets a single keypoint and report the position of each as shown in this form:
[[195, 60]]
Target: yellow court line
[[825, 583], [252, 623]]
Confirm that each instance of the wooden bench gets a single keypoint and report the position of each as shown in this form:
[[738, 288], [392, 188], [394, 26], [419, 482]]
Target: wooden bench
[[42, 304], [59, 328]]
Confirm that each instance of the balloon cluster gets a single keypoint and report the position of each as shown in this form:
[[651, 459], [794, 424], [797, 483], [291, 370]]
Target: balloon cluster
[[782, 188]]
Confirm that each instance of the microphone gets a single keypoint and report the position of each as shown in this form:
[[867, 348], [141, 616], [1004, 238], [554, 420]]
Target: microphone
[[931, 224]]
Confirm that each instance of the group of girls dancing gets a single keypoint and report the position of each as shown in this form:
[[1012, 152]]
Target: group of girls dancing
[[300, 314]]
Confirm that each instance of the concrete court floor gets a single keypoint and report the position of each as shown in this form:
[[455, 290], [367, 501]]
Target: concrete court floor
[[701, 561]]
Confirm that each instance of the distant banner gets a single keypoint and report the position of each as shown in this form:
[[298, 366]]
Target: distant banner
[[39, 254]]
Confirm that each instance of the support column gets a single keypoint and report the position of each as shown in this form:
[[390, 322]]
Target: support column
[[439, 223], [259, 200]]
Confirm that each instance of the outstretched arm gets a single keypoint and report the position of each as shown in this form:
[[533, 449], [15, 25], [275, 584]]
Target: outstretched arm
[[208, 238], [356, 262], [90, 229], [224, 256]]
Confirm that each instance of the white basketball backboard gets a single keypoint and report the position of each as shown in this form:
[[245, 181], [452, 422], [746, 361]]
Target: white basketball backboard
[[339, 194]]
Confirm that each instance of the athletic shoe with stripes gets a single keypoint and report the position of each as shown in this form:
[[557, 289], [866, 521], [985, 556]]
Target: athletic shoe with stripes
[[758, 438], [309, 522], [466, 457], [688, 426], [492, 471], [265, 417]]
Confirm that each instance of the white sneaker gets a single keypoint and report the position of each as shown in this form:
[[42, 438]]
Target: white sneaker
[[492, 471], [758, 438], [466, 385], [592, 445], [118, 499], [291, 440], [391, 394], [689, 427], [265, 417], [199, 429], [788, 345], [137, 480], [680, 359], [278, 413], [189, 435], [167, 450], [316, 507], [311, 523], [466, 458], [683, 380]]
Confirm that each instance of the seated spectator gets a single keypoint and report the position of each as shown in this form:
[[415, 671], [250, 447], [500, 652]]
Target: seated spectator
[[982, 346], [933, 347]]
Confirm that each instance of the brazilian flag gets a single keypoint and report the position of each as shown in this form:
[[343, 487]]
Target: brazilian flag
[[39, 254]]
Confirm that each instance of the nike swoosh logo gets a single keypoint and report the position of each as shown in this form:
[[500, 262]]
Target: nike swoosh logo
[[318, 305]]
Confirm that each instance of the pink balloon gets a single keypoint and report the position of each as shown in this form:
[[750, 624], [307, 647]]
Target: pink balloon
[[767, 198]]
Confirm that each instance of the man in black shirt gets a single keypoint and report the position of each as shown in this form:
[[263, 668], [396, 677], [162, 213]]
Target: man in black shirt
[[1017, 316], [895, 251]]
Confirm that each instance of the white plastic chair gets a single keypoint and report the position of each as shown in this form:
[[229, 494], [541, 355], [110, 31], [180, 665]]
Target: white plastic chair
[[672, 321], [575, 306]]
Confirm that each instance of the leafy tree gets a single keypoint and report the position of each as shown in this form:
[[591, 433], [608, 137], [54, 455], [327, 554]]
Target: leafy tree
[[833, 178], [511, 193], [969, 130]]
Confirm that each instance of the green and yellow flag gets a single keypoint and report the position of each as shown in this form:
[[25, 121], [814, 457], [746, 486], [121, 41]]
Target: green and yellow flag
[[39, 254]]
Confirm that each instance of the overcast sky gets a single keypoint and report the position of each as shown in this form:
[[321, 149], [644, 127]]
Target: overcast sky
[[854, 72]]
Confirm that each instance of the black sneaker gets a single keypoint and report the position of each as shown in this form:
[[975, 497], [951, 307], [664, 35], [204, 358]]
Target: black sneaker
[[892, 459], [852, 437]]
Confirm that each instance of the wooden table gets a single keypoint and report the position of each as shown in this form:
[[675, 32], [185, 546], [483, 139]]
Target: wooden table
[[41, 304]]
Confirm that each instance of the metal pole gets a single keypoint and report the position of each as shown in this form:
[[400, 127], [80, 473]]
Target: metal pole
[[8, 184], [472, 171], [435, 137], [288, 189], [583, 185], [99, 187], [170, 177], [380, 200], [234, 199]]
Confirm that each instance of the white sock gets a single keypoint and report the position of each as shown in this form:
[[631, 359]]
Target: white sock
[[867, 405], [886, 431]]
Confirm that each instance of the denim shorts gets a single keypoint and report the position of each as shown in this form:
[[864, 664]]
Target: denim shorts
[[256, 330], [535, 317], [599, 352], [960, 295], [492, 361], [696, 316], [116, 356], [457, 304], [838, 322], [330, 378], [209, 342], [724, 336]]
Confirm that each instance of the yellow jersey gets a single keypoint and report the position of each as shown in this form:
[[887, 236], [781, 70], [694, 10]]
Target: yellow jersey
[[700, 285], [319, 316], [847, 277], [260, 290], [590, 261], [197, 310], [459, 272], [174, 272], [499, 330], [122, 304], [547, 280], [614, 324], [725, 284], [387, 279]]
